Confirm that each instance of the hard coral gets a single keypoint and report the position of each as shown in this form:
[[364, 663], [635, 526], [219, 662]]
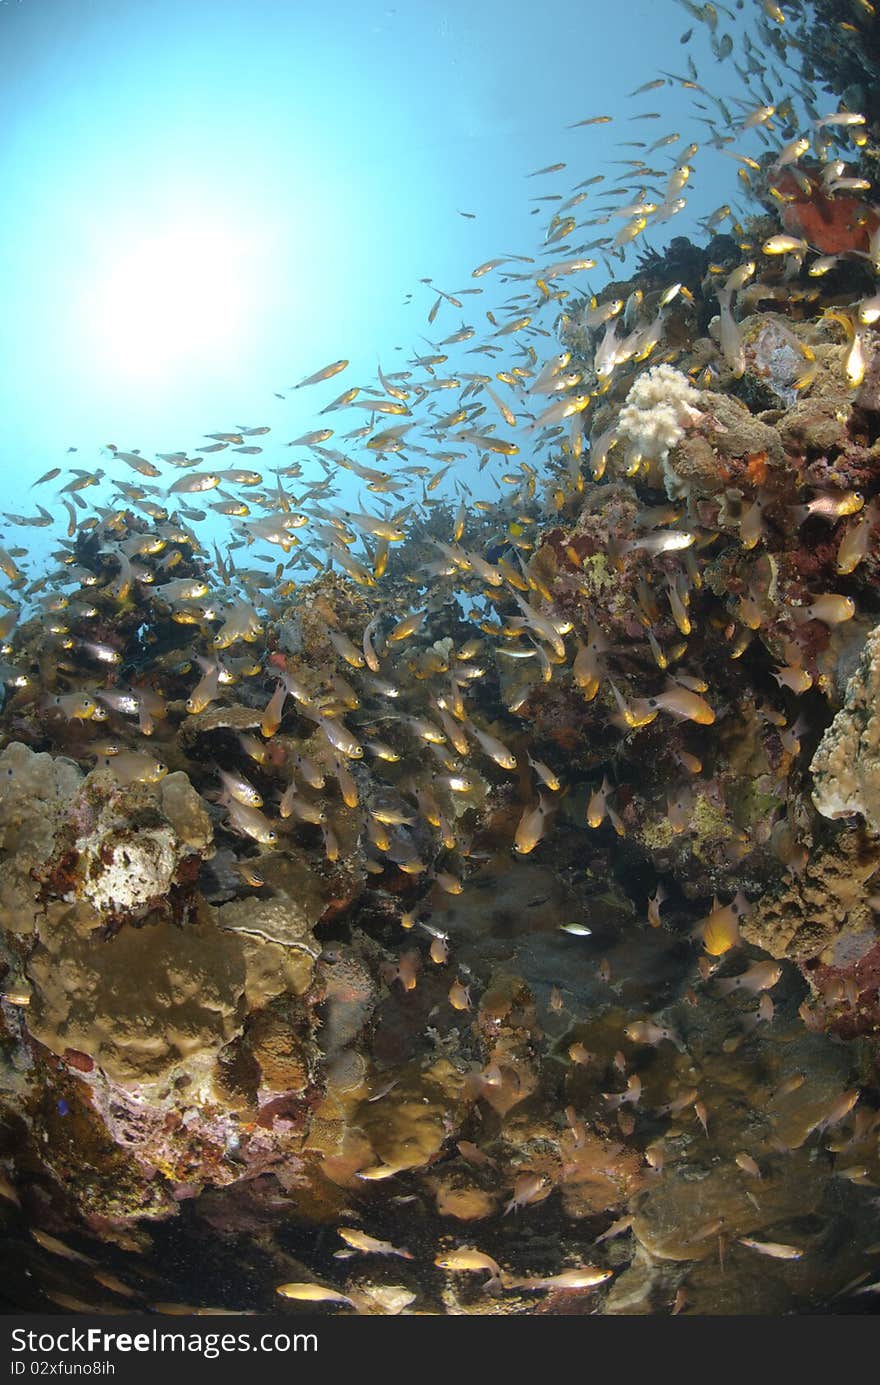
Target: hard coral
[[846, 767], [813, 914], [137, 1003]]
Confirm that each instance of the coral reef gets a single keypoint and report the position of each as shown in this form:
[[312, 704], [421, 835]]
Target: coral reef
[[846, 766], [493, 884]]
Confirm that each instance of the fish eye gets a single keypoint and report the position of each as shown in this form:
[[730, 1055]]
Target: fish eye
[[162, 769], [357, 753], [271, 836]]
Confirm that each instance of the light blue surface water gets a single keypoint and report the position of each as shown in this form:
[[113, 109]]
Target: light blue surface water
[[206, 202]]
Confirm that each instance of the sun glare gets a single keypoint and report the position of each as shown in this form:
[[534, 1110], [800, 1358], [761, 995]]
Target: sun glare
[[175, 297]]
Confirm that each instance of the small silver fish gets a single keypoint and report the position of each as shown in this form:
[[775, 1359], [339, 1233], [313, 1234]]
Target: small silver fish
[[774, 1249], [359, 1240]]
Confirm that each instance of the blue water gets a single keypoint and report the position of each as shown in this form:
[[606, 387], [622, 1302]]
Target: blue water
[[206, 200]]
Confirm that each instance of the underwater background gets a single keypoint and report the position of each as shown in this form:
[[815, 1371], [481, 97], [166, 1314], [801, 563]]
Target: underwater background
[[439, 749]]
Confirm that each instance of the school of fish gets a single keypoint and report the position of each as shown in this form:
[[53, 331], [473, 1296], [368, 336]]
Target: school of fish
[[433, 699]]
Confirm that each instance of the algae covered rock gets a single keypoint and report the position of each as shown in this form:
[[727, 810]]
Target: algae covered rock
[[705, 459]]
